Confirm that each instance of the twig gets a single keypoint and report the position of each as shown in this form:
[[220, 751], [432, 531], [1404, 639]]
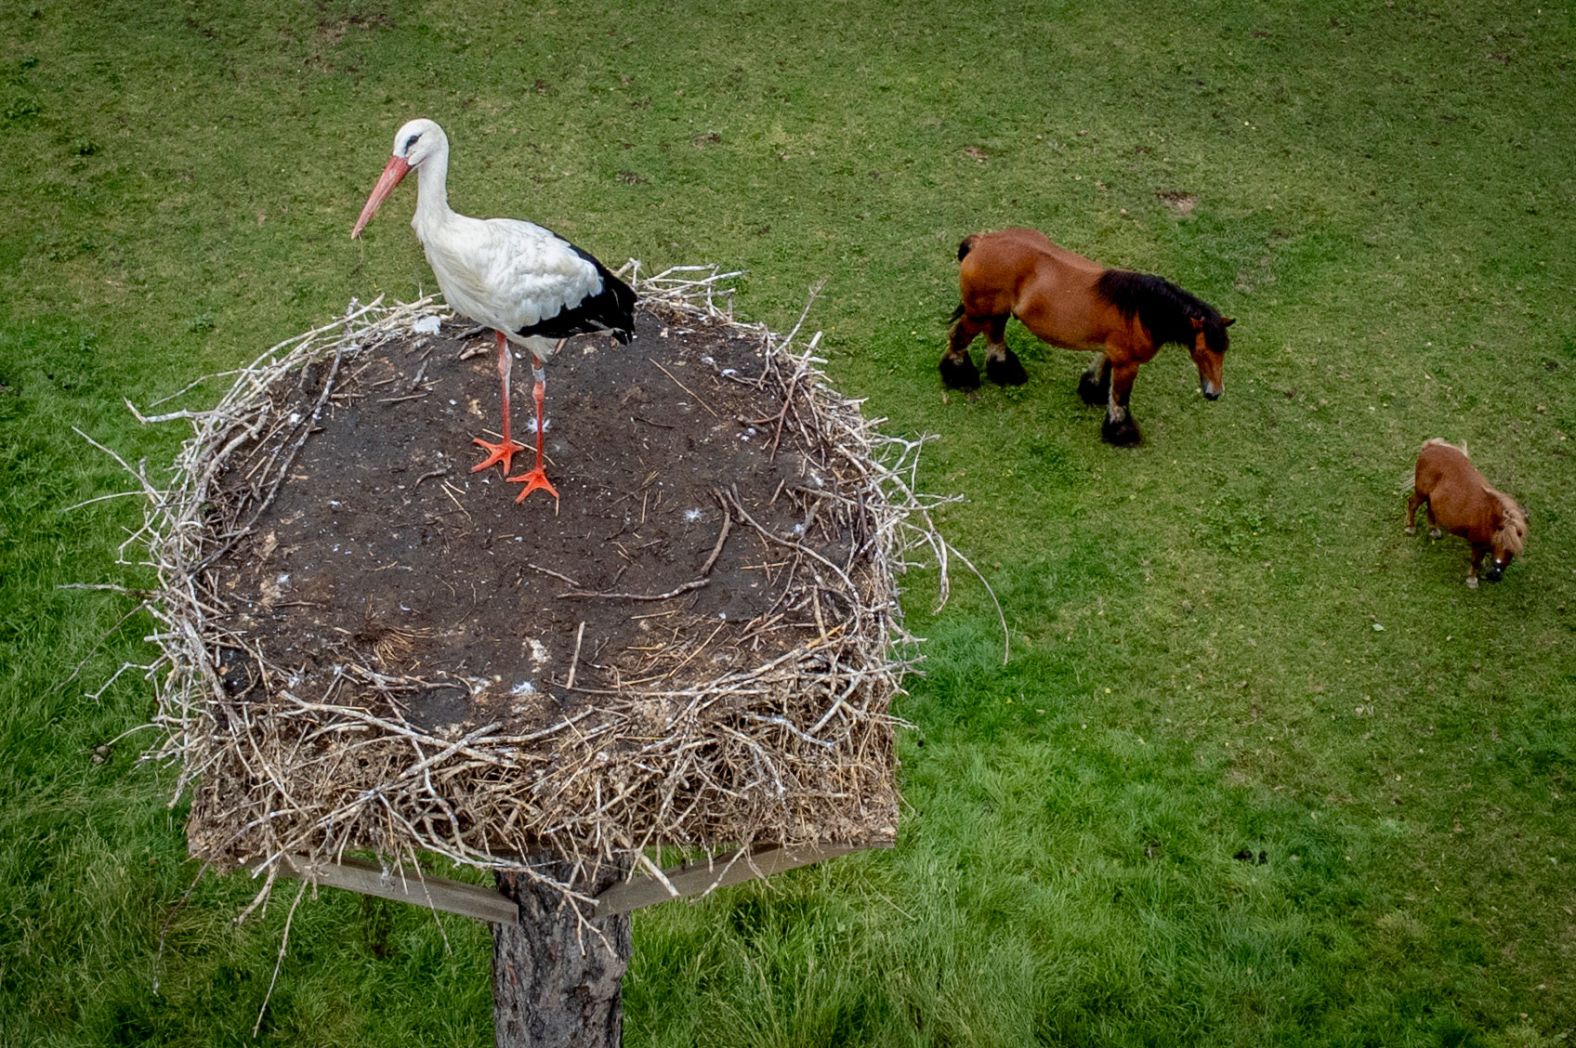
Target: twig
[[450, 491], [554, 574], [284, 943], [574, 660], [722, 537], [100, 498], [685, 388], [415, 383], [815, 291], [693, 584]]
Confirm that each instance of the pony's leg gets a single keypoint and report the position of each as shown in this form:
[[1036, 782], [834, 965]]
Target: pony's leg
[[1002, 365], [1433, 524], [957, 369], [1119, 427], [1472, 570], [1417, 499], [1095, 384]]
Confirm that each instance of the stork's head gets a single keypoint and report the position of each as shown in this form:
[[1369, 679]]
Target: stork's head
[[414, 144]]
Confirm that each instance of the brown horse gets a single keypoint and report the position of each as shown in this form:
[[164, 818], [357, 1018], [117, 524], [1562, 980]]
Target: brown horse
[[1461, 501], [1069, 301]]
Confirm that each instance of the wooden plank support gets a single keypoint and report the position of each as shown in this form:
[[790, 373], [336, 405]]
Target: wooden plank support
[[698, 878], [437, 893], [488, 904]]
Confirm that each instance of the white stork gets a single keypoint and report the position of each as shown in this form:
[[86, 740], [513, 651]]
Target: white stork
[[530, 285]]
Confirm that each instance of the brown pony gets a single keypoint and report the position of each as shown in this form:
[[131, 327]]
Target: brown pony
[[1069, 301], [1462, 502]]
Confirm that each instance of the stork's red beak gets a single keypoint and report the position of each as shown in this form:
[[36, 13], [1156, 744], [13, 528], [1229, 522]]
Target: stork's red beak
[[395, 170]]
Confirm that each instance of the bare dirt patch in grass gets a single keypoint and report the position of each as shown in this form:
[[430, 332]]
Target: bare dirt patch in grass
[[1177, 202]]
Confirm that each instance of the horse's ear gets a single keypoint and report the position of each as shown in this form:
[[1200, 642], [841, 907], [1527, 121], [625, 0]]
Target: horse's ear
[[1198, 322], [1227, 321]]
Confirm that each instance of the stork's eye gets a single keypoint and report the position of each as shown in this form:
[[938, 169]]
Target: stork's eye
[[411, 142]]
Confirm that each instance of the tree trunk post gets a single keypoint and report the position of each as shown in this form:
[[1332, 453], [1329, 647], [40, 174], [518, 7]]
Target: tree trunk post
[[555, 982]]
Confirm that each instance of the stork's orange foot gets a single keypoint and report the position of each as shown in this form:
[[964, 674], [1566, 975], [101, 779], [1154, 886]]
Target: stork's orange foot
[[536, 478], [503, 451]]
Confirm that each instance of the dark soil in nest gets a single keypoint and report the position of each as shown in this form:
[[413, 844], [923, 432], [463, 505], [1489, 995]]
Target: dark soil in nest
[[383, 550]]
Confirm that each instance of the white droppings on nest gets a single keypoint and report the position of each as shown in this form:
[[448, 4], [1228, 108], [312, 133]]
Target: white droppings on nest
[[525, 687], [693, 516], [427, 325], [538, 652]]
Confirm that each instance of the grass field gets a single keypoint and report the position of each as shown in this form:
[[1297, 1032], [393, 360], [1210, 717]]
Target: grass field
[[1223, 642]]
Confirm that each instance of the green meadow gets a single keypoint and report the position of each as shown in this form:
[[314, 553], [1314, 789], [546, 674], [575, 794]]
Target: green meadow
[[1261, 769]]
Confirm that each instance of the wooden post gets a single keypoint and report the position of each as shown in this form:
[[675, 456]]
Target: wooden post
[[556, 982]]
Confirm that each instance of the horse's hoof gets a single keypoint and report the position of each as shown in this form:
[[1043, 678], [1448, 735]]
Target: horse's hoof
[[960, 374], [1123, 434], [1006, 372], [1094, 393], [1471, 582], [1435, 533], [1411, 531]]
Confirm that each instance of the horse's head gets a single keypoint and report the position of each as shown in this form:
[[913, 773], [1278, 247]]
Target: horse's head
[[1510, 537], [1209, 352]]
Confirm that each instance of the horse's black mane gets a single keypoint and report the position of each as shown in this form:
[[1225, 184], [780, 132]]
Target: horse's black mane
[[1165, 309]]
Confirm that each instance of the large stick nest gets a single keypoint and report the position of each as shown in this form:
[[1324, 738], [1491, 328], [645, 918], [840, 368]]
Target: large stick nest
[[772, 726]]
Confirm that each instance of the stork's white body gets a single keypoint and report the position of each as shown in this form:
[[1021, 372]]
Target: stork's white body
[[503, 273]]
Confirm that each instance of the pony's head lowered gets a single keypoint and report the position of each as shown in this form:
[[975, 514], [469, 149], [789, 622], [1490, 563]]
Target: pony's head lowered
[[1510, 535], [1173, 315], [1208, 349]]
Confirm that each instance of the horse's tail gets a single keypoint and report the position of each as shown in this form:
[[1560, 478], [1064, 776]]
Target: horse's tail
[[957, 315], [966, 246]]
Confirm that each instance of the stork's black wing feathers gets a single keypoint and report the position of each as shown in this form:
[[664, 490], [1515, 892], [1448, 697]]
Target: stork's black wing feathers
[[612, 309]]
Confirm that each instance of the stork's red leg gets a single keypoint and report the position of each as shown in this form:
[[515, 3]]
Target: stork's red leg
[[504, 450], [537, 478]]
